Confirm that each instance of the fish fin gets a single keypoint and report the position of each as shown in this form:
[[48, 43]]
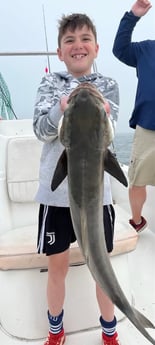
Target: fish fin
[[144, 321], [112, 166], [60, 171]]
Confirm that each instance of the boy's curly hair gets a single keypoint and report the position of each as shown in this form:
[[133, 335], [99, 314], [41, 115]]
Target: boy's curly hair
[[73, 21]]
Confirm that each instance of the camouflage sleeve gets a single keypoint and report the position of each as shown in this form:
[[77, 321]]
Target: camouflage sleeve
[[112, 96], [47, 110]]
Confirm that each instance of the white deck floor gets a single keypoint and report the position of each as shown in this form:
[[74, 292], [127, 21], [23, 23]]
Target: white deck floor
[[142, 270]]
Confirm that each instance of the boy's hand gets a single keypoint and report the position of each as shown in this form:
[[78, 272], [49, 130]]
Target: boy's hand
[[64, 103], [141, 7], [107, 107]]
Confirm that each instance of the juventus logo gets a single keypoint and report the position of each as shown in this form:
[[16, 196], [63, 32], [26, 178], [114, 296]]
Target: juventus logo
[[51, 236]]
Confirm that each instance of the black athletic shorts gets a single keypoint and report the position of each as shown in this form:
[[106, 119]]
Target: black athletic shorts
[[56, 233]]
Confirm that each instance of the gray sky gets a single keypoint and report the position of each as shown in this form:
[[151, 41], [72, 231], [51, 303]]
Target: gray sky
[[22, 29]]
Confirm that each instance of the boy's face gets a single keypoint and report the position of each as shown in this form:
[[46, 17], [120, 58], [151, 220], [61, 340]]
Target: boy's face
[[78, 50]]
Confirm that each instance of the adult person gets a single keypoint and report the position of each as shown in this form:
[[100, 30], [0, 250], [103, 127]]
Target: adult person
[[141, 56]]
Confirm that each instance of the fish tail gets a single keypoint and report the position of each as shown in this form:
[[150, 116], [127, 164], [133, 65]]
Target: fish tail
[[144, 321], [141, 322]]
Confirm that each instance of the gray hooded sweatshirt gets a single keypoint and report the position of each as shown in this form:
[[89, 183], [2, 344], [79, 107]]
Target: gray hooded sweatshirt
[[47, 114]]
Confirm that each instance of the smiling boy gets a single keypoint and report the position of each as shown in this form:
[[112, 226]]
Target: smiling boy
[[77, 48]]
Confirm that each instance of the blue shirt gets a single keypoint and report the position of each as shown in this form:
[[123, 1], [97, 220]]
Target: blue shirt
[[140, 55]]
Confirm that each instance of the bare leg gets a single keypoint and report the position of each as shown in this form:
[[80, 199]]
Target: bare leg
[[57, 271], [105, 305], [137, 197]]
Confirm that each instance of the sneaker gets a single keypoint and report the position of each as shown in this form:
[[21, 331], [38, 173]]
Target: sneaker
[[139, 227], [113, 340], [55, 339]]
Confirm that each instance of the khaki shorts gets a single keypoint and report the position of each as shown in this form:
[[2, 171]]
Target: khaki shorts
[[142, 163]]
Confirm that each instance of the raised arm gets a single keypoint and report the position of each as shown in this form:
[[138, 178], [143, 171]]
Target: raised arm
[[125, 50]]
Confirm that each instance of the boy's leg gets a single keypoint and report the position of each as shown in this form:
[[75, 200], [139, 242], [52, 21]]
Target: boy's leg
[[108, 320], [57, 269], [105, 305], [54, 237]]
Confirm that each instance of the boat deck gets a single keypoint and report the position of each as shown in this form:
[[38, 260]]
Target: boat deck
[[141, 265]]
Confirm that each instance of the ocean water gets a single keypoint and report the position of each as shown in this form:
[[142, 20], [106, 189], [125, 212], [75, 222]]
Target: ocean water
[[122, 146]]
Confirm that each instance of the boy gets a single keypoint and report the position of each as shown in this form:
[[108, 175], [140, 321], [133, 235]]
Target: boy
[[77, 47], [140, 55]]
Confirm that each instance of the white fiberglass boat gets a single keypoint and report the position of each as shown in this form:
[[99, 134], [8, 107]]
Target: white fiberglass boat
[[23, 273]]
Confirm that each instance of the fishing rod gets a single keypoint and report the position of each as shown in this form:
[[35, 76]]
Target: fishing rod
[[46, 41]]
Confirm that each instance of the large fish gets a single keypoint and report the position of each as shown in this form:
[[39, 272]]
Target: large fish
[[86, 134]]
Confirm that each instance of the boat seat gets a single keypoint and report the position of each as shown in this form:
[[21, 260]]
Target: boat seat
[[23, 155], [18, 247], [18, 185]]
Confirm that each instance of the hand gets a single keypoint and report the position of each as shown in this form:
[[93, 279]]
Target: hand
[[107, 107], [141, 7], [64, 103]]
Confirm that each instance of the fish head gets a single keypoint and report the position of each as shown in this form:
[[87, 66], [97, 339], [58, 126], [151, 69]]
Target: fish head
[[86, 131], [85, 119]]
